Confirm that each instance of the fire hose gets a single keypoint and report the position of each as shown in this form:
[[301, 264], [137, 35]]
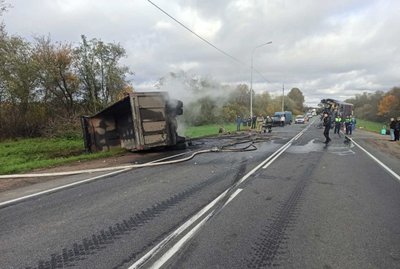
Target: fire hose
[[224, 148]]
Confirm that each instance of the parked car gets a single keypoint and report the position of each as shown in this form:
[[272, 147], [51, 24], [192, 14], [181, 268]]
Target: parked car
[[300, 119]]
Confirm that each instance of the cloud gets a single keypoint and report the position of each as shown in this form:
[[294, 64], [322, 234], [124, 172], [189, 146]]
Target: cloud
[[325, 48]]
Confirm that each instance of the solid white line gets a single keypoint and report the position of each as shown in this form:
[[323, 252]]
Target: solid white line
[[139, 263], [233, 196], [276, 156], [58, 188], [79, 182], [262, 163], [378, 161], [175, 248], [177, 232], [283, 148], [298, 136]]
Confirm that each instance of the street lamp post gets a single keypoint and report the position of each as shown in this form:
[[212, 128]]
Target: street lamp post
[[251, 80]]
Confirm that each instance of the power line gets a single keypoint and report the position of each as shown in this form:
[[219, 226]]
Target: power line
[[202, 38], [205, 40]]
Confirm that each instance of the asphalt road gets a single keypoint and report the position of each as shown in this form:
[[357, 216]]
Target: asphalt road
[[312, 206]]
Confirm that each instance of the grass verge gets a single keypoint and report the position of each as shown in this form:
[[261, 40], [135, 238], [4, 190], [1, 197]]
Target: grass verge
[[370, 125], [207, 130], [27, 154], [23, 155]]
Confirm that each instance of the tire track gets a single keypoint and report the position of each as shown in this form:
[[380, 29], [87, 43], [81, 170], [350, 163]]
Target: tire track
[[270, 244], [100, 240]]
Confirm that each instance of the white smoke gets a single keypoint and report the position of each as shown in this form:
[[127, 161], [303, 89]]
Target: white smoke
[[190, 88]]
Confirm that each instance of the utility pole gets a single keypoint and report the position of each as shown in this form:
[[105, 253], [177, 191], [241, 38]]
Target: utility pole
[[251, 79], [283, 97]]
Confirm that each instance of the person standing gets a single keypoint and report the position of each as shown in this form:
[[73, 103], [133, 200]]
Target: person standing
[[260, 121], [338, 123], [282, 120], [353, 123], [238, 122], [268, 124], [392, 126], [397, 129], [327, 126], [253, 122], [348, 124]]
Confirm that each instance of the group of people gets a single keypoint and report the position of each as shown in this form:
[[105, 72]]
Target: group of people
[[254, 122], [394, 129], [348, 122]]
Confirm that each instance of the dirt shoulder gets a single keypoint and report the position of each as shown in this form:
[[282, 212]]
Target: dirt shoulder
[[379, 142]]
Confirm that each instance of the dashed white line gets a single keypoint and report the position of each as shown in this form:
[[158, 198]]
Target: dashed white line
[[177, 232], [177, 246]]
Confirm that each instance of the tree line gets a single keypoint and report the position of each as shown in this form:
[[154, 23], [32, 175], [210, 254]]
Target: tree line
[[207, 101], [46, 86], [378, 106]]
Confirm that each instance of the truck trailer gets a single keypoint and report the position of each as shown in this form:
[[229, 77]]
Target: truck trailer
[[140, 121]]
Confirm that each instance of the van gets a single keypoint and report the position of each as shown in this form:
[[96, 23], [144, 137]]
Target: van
[[287, 114]]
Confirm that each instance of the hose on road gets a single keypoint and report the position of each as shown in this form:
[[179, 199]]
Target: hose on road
[[224, 148]]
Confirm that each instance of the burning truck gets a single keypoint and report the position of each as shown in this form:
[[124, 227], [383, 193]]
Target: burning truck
[[140, 121]]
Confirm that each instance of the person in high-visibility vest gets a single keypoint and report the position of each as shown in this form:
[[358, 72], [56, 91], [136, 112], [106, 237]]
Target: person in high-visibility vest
[[338, 123], [348, 124]]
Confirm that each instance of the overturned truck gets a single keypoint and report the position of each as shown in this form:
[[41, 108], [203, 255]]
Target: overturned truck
[[337, 108], [140, 121]]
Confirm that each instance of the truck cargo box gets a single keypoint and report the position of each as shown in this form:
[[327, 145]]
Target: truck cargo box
[[142, 120]]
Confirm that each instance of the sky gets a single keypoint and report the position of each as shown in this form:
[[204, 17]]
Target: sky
[[327, 49]]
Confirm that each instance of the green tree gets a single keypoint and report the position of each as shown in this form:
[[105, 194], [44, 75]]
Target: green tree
[[18, 76], [298, 101], [263, 104], [366, 105], [58, 80], [99, 70]]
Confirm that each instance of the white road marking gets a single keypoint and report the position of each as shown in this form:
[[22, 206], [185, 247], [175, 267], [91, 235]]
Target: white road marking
[[276, 156], [6, 203], [233, 196], [174, 249], [377, 160], [177, 232], [58, 188]]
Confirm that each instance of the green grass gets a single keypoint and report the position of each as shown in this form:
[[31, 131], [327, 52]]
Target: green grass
[[207, 130], [24, 155], [370, 125], [27, 154]]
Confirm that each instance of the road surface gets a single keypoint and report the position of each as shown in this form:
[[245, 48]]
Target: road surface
[[291, 203]]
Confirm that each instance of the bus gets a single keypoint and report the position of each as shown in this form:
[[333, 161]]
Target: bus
[[337, 108]]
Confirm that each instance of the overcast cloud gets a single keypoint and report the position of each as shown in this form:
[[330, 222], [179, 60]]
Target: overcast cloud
[[328, 49]]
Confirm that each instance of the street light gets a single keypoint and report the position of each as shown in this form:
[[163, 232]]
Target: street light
[[251, 81]]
